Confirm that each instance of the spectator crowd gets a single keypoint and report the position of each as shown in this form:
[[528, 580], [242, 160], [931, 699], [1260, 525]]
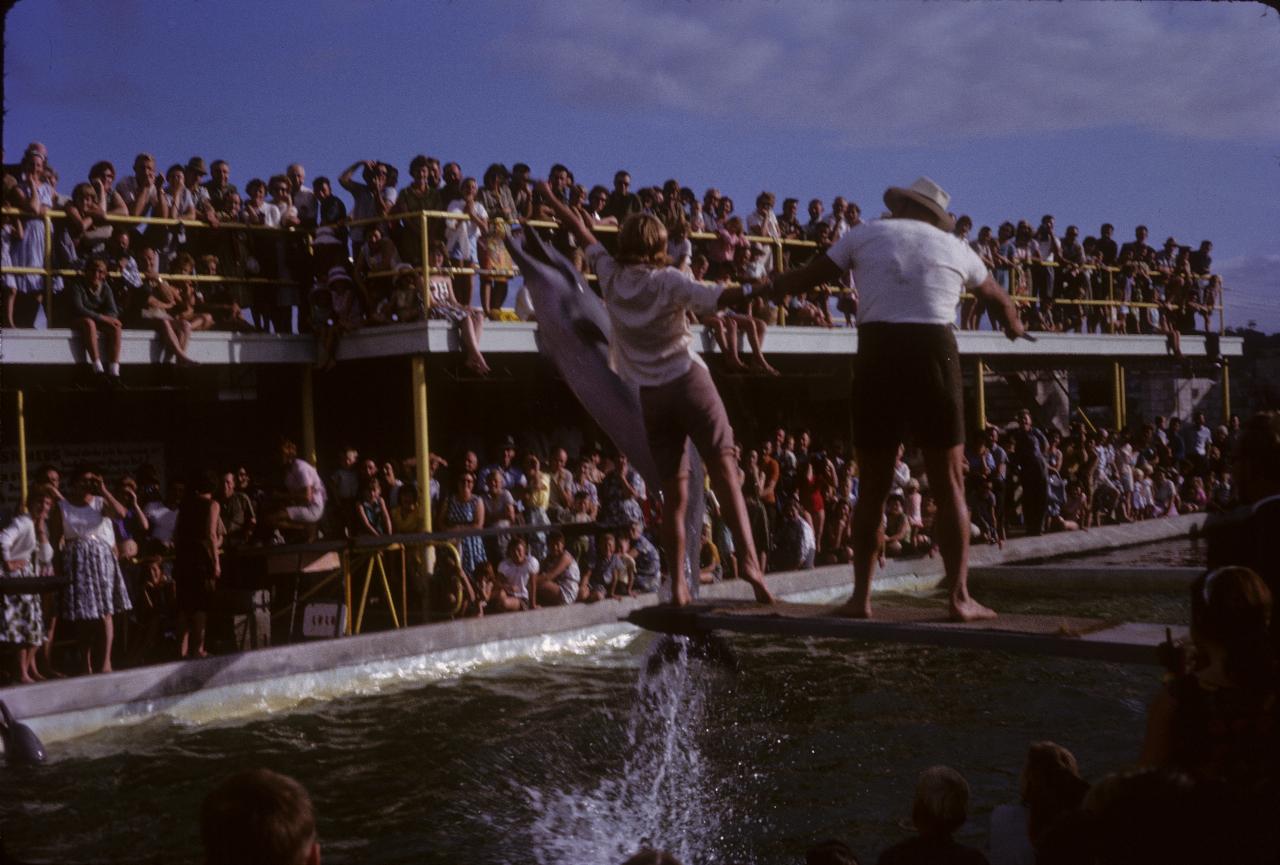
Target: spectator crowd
[[285, 256]]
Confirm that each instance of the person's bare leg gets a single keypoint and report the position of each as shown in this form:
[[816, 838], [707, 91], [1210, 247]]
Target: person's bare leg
[[469, 329], [675, 494], [108, 637], [946, 479], [875, 472], [198, 631], [726, 481], [113, 345], [89, 334], [486, 290]]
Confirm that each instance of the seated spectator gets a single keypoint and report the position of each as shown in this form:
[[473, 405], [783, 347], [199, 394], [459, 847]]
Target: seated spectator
[[559, 580], [532, 506], [156, 634], [93, 313], [445, 306], [215, 301], [517, 576], [941, 807], [796, 546], [612, 574], [1051, 787], [377, 255], [161, 308], [1217, 721], [300, 505], [830, 853], [335, 310], [645, 555], [710, 570], [371, 517], [259, 817], [897, 529]]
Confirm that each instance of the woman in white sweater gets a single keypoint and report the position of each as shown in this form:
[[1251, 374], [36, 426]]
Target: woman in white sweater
[[26, 552]]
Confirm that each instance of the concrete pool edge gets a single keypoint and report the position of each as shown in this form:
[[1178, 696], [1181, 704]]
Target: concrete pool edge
[[276, 678]]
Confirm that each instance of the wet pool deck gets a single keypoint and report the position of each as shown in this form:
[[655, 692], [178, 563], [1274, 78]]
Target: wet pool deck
[[239, 685]]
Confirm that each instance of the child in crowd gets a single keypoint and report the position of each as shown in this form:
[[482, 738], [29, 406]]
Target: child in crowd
[[709, 567], [371, 516], [517, 573], [897, 528], [468, 322], [559, 581], [157, 613], [941, 808], [335, 310], [726, 324], [982, 511], [610, 576]]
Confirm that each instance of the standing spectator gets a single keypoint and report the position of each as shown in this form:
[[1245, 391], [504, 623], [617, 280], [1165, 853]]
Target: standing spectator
[[330, 244], [1137, 251], [373, 198], [521, 191], [1199, 435], [464, 510], [560, 499], [1029, 445], [836, 224], [144, 196], [93, 313], [417, 196], [302, 196], [463, 238], [1049, 250], [239, 517], [497, 202], [25, 551], [499, 512], [622, 494], [35, 196], [763, 222], [622, 202], [219, 186], [81, 526], [197, 564]]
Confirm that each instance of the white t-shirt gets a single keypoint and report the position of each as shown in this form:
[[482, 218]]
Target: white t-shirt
[[652, 343], [464, 236], [515, 578], [908, 271], [163, 520], [301, 474]]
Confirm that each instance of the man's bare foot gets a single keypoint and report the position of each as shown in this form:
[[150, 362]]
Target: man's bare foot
[[478, 366], [26, 680], [852, 609], [969, 610], [106, 668]]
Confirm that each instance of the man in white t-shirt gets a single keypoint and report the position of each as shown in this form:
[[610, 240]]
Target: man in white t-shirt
[[302, 504], [910, 272]]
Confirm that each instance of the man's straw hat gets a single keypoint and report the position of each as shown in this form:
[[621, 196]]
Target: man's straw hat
[[927, 194]]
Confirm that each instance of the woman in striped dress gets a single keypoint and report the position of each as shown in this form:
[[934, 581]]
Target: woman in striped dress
[[82, 524]]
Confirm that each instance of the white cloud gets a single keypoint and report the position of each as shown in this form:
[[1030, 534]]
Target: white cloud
[[1251, 289], [915, 73]]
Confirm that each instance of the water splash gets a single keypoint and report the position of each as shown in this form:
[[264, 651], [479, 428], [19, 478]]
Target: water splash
[[666, 795]]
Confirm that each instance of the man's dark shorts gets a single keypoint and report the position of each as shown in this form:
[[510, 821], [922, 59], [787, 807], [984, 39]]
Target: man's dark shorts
[[907, 387]]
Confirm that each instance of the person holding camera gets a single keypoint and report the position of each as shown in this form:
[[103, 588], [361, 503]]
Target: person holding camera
[[81, 526]]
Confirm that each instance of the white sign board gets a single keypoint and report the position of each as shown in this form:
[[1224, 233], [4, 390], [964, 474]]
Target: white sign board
[[324, 620]]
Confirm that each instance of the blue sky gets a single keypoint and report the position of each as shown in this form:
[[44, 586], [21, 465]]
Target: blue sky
[[1161, 113]]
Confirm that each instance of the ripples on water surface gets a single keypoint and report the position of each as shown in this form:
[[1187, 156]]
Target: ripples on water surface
[[572, 759]]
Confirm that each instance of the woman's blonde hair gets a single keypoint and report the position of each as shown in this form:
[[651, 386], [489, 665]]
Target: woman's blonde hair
[[642, 240]]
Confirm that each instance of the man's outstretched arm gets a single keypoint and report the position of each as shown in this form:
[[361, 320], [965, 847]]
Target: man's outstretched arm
[[996, 297], [821, 270]]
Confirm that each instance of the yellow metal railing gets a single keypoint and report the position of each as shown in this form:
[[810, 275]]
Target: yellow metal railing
[[778, 245]]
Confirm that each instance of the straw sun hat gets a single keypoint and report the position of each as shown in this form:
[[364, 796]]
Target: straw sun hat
[[928, 195]]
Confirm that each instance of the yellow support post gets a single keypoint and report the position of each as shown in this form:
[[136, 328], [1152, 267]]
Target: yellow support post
[[980, 389], [1124, 398], [421, 440], [1226, 393], [22, 452], [308, 416]]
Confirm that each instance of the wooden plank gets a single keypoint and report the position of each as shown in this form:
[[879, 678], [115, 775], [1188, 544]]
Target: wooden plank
[[1062, 636]]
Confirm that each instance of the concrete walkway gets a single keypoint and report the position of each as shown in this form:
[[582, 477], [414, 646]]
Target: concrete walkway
[[275, 679]]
